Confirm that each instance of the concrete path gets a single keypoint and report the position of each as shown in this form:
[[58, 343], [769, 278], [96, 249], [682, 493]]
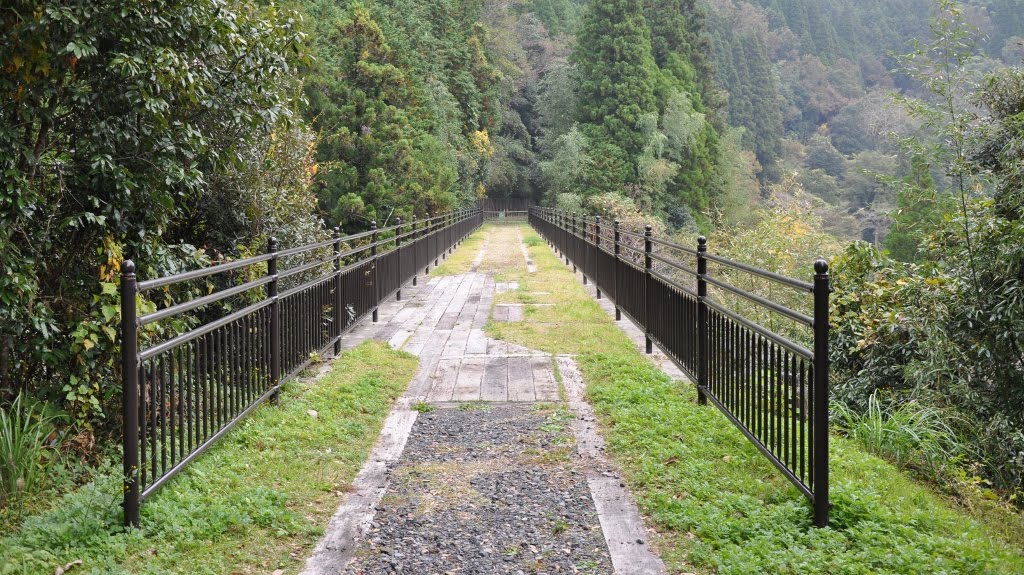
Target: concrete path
[[442, 322]]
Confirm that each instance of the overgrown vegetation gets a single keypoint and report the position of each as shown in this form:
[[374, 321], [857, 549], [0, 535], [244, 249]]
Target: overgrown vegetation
[[718, 506], [183, 134], [257, 502], [27, 436]]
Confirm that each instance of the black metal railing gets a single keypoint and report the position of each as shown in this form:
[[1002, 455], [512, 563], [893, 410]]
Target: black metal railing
[[771, 383], [502, 216], [203, 355]]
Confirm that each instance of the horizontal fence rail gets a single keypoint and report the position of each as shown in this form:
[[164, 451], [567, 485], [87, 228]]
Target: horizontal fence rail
[[770, 382], [213, 344], [505, 216]]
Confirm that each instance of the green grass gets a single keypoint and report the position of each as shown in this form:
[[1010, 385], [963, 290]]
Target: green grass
[[25, 457], [461, 259], [717, 504], [256, 502], [910, 434]]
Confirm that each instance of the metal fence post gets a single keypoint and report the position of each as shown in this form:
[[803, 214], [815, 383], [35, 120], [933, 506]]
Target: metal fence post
[[338, 303], [703, 337], [567, 244], [415, 272], [423, 237], [435, 228], [582, 256], [275, 321], [130, 392], [398, 251], [376, 284], [618, 292], [597, 255], [822, 287], [648, 264], [574, 251]]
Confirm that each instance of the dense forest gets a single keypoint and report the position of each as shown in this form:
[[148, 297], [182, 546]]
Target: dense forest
[[186, 133]]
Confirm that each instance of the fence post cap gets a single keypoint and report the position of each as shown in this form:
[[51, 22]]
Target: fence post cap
[[702, 241], [398, 221], [337, 231], [373, 224], [821, 267], [616, 222], [127, 268], [272, 244], [648, 229]]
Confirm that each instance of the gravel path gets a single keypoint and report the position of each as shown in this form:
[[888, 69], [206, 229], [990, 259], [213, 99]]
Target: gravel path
[[487, 489]]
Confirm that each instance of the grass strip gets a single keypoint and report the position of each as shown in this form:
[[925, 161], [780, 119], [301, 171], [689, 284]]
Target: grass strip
[[717, 504], [461, 260], [257, 502]]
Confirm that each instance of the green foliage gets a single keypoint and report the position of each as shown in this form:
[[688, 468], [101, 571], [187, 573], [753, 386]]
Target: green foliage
[[402, 95], [909, 434], [745, 70], [643, 128], [787, 240], [559, 16], [945, 329], [117, 127], [919, 211], [886, 339], [25, 450], [616, 74]]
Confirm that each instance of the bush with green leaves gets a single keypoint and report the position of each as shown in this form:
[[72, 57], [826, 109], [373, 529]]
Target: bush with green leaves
[[126, 130]]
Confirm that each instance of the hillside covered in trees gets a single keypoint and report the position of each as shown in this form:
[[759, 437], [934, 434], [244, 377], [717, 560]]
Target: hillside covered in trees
[[812, 85]]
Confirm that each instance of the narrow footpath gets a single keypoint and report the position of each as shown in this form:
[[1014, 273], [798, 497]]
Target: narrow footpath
[[491, 462]]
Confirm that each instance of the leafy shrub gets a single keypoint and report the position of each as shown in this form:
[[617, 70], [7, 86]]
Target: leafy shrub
[[25, 434], [922, 333]]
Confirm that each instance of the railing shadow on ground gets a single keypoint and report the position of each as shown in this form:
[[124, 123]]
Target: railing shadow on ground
[[772, 386], [213, 344]]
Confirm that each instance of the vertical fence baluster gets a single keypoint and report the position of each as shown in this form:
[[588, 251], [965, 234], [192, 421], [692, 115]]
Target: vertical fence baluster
[[373, 270], [275, 321], [161, 382], [648, 264], [209, 403], [182, 387], [435, 230], [130, 392], [597, 256], [415, 250], [398, 257], [338, 303], [702, 320], [190, 401], [618, 288], [822, 287]]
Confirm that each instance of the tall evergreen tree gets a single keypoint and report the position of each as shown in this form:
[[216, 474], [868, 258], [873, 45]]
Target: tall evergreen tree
[[616, 74], [679, 43]]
